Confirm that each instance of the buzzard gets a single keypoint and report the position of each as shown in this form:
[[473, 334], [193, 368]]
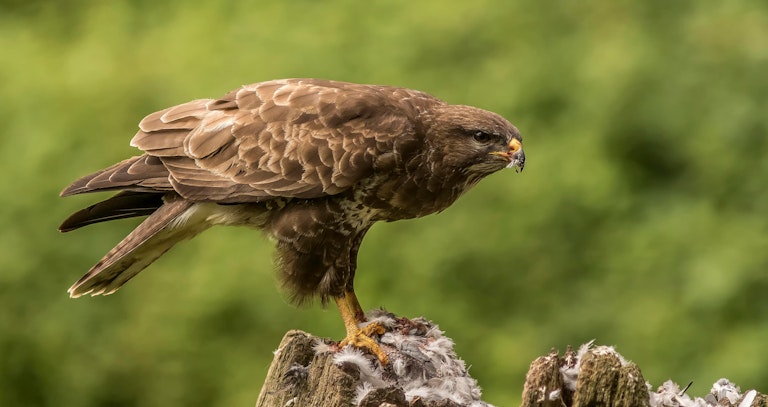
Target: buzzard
[[312, 163]]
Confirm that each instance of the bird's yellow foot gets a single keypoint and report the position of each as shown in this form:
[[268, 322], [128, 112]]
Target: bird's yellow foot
[[362, 338], [352, 314]]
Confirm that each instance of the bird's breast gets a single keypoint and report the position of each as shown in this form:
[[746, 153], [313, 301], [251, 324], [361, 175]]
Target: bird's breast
[[409, 196]]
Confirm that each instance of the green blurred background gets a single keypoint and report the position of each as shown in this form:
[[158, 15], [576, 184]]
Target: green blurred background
[[640, 220]]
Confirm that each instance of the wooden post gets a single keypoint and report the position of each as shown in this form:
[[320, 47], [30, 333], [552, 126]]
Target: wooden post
[[300, 377]]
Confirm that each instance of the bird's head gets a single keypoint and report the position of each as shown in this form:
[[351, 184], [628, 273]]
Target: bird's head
[[474, 140]]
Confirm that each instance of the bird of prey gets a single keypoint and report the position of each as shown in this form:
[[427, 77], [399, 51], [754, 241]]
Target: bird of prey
[[312, 163]]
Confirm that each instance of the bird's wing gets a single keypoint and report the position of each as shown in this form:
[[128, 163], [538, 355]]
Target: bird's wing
[[288, 138]]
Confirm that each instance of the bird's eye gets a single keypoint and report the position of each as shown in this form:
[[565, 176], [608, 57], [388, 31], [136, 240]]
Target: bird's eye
[[482, 137]]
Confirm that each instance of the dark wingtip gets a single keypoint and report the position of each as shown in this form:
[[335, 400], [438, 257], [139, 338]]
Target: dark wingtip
[[64, 229], [74, 221], [125, 204], [68, 225]]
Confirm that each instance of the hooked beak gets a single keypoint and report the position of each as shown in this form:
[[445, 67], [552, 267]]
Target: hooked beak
[[514, 155]]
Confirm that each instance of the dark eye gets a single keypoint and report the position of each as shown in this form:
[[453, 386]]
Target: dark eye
[[482, 137]]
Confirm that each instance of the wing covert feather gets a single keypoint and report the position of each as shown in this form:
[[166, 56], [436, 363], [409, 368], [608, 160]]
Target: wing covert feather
[[287, 138]]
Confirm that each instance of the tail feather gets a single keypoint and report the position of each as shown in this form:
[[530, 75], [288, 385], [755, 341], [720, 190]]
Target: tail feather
[[153, 237], [125, 204]]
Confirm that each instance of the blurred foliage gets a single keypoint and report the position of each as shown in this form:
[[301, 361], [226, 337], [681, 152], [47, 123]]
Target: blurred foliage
[[640, 219]]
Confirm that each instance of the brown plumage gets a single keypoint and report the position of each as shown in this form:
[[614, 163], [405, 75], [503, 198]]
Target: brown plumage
[[313, 163]]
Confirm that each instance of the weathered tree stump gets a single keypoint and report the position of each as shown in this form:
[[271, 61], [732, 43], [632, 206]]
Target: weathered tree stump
[[299, 376], [424, 371]]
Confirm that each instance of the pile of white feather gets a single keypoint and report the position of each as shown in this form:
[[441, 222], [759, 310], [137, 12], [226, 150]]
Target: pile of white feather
[[422, 364], [670, 395]]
